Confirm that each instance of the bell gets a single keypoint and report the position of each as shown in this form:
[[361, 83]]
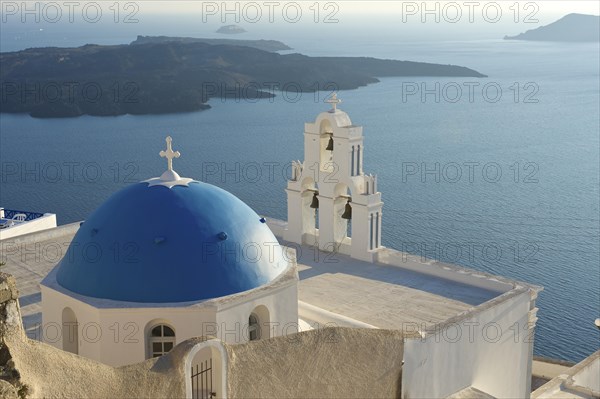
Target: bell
[[347, 212], [330, 144], [315, 201]]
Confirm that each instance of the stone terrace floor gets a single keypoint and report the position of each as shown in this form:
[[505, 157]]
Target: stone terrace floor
[[381, 295]]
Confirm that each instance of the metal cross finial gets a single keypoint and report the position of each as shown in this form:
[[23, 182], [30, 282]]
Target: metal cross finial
[[169, 153], [334, 101]]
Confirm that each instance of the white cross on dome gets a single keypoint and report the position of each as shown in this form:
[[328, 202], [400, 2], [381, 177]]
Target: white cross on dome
[[169, 153], [169, 178]]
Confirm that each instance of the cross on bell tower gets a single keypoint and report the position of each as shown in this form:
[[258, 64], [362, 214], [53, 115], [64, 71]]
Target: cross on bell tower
[[334, 101], [332, 203]]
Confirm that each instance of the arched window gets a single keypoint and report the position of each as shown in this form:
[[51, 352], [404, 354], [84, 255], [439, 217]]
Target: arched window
[[161, 340], [253, 328], [70, 331], [259, 323]]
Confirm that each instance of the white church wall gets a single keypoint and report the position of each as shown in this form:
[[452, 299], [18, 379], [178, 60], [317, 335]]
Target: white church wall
[[125, 331], [119, 336], [282, 304], [88, 322], [492, 346]]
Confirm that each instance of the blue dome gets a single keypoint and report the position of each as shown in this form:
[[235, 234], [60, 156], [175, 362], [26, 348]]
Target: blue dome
[[158, 244]]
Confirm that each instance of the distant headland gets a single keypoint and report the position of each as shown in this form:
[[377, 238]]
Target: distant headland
[[157, 75], [570, 28], [231, 30], [266, 45]]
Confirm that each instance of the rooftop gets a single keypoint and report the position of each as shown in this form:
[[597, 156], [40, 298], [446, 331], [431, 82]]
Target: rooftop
[[14, 223], [385, 294], [29, 258], [397, 291], [382, 295], [579, 381]]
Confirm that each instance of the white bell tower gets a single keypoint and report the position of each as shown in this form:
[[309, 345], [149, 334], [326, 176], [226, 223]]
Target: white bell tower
[[329, 191]]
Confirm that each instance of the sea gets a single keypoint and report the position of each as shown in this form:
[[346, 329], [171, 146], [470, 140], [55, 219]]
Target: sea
[[499, 174]]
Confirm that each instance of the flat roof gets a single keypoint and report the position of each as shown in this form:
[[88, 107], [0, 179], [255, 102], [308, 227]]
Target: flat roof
[[29, 261], [384, 296]]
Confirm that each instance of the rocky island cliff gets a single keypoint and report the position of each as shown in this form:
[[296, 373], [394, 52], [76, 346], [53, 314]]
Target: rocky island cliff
[[570, 28], [160, 76]]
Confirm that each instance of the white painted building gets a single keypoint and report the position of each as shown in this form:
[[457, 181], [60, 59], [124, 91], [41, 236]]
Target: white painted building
[[170, 258], [475, 350], [136, 281], [15, 223], [582, 381]]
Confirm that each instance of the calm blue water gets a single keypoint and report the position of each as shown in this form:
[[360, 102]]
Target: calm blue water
[[538, 221]]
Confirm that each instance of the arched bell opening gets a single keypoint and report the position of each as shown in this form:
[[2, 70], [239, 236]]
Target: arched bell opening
[[342, 211], [326, 145], [310, 206]]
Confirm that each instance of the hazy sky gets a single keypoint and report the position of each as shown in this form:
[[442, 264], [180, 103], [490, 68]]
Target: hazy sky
[[555, 7], [335, 20], [439, 20]]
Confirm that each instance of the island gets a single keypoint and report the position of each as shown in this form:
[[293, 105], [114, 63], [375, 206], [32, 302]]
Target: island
[[570, 28], [266, 45], [231, 30], [170, 76]]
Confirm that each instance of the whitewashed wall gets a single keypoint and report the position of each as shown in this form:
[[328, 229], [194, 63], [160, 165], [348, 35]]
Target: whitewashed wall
[[469, 352], [115, 333], [48, 221], [51, 333], [232, 322], [589, 375]]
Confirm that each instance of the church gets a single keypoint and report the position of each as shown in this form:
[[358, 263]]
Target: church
[[206, 262], [175, 280], [172, 258]]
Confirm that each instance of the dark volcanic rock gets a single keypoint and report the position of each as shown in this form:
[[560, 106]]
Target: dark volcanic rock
[[266, 45], [171, 76]]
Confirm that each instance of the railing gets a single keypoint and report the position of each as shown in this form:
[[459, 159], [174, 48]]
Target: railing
[[202, 385], [10, 213]]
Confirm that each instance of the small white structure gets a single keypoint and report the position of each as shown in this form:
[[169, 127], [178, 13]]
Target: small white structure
[[165, 260], [17, 223], [329, 189], [580, 381]]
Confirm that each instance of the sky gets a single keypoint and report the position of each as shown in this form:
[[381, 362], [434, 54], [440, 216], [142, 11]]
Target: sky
[[426, 20], [486, 19], [284, 19], [550, 7]]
